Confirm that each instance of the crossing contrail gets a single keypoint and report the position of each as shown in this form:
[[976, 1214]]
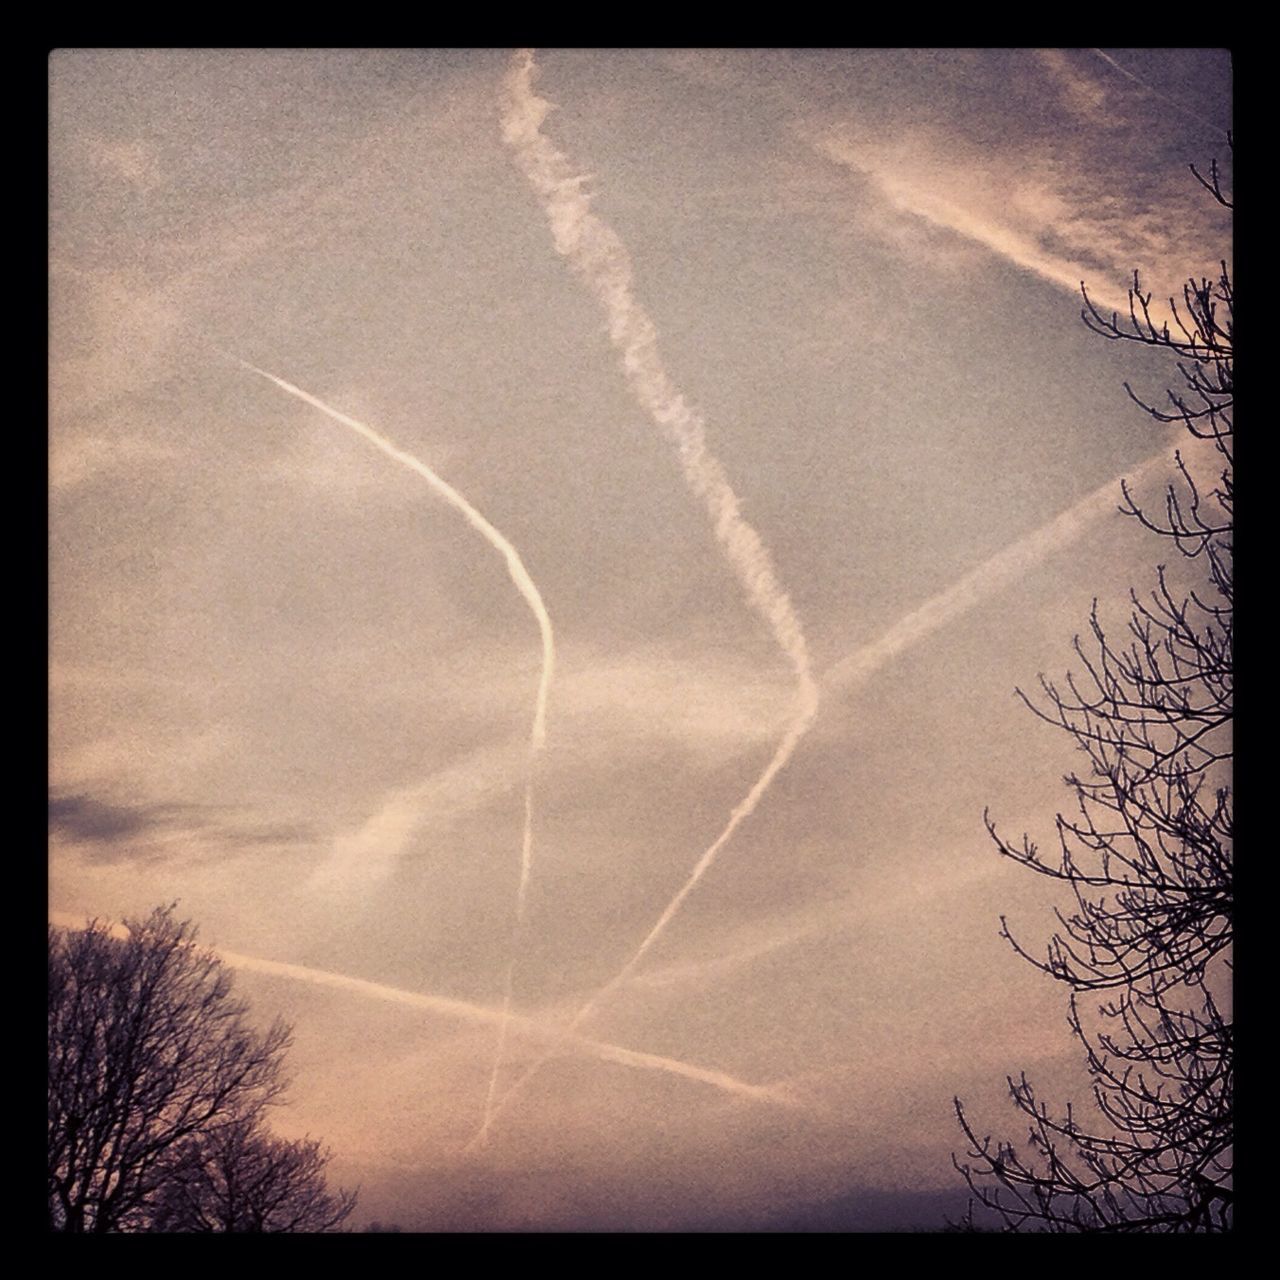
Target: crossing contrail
[[601, 259], [477, 1015], [525, 585], [1010, 564]]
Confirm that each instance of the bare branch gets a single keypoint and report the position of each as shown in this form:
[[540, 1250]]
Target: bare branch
[[152, 1066], [1147, 854]]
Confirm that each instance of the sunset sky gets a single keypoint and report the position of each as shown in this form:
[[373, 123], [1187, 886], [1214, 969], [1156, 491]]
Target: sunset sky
[[750, 387]]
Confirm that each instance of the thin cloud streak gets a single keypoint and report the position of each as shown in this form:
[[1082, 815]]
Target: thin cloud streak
[[597, 254], [525, 585], [477, 1015], [463, 787]]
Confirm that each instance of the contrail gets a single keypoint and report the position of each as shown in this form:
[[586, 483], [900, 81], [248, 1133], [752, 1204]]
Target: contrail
[[1151, 89], [478, 1015], [596, 253], [966, 593], [998, 571], [525, 585], [995, 573]]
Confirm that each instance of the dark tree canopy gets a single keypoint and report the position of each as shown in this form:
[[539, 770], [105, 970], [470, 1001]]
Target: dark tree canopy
[[240, 1178], [154, 1070], [1146, 853]]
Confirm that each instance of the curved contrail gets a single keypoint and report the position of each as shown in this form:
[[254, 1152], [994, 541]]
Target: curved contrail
[[525, 585], [596, 253]]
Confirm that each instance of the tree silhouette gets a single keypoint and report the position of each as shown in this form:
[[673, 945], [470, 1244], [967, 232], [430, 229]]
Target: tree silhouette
[[240, 1178], [1146, 854], [153, 1070]]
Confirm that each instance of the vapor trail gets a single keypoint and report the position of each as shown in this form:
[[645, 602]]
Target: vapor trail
[[477, 1015], [525, 585], [601, 259], [1151, 89], [999, 570]]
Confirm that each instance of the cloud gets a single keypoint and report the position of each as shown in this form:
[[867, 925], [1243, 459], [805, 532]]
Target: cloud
[[1010, 215], [626, 707], [110, 336], [669, 697], [362, 859], [133, 163], [142, 756], [82, 818], [323, 464], [109, 831], [696, 709], [1081, 94], [1057, 212]]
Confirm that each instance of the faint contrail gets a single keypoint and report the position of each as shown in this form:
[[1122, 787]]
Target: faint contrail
[[596, 253], [1151, 89], [481, 1015], [525, 585]]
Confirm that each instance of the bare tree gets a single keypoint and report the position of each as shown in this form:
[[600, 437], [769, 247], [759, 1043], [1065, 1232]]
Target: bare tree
[[1146, 853], [150, 1059], [241, 1178]]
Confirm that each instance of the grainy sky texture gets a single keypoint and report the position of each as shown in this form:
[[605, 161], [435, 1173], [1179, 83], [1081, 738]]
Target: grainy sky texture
[[759, 367]]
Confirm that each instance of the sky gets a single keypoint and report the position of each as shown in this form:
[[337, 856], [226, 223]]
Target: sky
[[542, 548]]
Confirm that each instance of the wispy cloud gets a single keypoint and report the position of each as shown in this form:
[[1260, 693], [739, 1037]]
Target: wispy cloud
[[1060, 213], [84, 818], [1016, 214], [113, 831], [111, 336], [362, 859], [616, 711], [671, 698]]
